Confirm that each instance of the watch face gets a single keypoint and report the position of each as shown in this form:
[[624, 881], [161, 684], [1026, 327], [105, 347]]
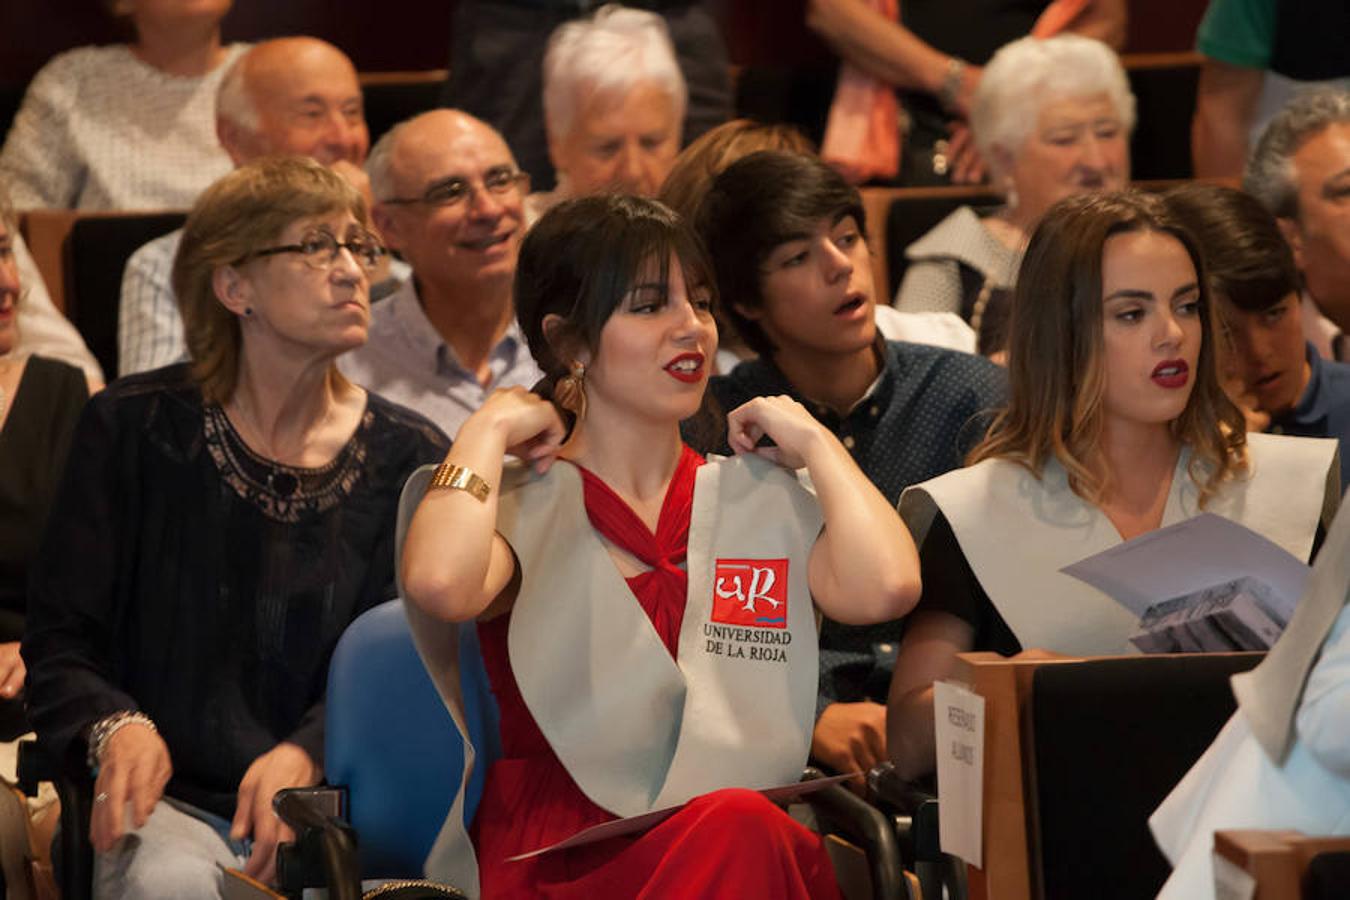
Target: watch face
[[460, 478]]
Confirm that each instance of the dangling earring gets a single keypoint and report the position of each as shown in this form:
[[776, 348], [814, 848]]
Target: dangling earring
[[570, 391], [1010, 198]]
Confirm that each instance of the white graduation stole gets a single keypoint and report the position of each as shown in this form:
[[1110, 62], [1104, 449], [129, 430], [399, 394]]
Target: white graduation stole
[[1018, 531], [636, 729]]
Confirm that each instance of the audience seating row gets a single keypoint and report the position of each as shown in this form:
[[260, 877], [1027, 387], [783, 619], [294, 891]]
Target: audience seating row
[[82, 255], [1078, 752], [396, 768], [897, 217], [1163, 83], [1164, 86], [390, 97]]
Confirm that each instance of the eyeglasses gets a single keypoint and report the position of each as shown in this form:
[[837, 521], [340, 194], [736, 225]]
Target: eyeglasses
[[320, 250], [454, 191]]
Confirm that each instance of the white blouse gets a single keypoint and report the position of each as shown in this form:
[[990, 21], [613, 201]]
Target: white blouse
[[101, 130]]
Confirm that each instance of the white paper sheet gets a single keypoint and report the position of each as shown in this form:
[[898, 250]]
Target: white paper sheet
[[958, 717], [1190, 556]]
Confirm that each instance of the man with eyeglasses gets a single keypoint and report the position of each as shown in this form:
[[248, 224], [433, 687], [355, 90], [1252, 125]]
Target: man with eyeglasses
[[296, 95], [450, 199]]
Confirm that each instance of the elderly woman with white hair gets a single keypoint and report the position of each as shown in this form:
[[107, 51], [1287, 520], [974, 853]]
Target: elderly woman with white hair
[[1052, 118], [614, 102]]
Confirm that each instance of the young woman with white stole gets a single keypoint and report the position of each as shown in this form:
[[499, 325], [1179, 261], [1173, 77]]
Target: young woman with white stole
[[647, 618], [1116, 426]]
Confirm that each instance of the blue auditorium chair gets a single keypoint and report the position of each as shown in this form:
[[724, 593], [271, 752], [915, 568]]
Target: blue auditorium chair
[[391, 744]]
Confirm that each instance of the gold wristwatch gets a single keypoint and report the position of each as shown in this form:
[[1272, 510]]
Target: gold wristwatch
[[461, 478]]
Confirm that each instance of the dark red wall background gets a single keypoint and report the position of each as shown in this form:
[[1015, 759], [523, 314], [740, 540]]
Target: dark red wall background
[[400, 35]]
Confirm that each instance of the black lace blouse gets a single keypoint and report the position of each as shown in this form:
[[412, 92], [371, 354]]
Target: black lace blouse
[[185, 576]]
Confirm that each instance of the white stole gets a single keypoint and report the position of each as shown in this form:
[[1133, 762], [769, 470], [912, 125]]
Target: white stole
[[635, 729], [1017, 531], [1281, 761], [1271, 693]]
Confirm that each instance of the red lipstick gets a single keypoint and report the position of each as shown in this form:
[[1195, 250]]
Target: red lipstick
[[687, 367], [1171, 373]]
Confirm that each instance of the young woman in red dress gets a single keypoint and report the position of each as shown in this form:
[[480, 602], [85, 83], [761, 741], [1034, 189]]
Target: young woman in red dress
[[674, 688]]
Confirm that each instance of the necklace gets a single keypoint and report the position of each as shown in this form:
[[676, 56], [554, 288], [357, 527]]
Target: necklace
[[281, 479], [282, 483]]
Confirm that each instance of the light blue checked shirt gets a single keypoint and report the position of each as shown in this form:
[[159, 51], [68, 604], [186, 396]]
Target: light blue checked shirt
[[407, 361]]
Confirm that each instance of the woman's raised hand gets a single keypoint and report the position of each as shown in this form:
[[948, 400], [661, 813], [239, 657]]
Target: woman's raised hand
[[863, 567], [454, 563], [530, 426], [785, 421]]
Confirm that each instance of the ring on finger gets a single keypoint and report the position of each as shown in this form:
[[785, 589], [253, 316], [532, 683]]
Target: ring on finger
[[101, 797]]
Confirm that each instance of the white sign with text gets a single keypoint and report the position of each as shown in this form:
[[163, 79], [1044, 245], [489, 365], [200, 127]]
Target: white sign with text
[[959, 732]]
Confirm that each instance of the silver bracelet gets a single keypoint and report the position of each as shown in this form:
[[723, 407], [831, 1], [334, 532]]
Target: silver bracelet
[[106, 727], [949, 94]]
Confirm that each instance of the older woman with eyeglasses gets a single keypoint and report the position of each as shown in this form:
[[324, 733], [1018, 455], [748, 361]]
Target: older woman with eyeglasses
[[219, 525]]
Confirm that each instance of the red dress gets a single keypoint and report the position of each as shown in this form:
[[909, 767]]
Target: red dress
[[730, 843]]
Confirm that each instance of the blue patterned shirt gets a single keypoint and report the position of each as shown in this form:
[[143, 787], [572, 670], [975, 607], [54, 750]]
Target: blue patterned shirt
[[407, 361], [1323, 410]]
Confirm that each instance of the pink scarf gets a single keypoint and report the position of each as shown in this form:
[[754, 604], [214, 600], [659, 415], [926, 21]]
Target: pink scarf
[[862, 134]]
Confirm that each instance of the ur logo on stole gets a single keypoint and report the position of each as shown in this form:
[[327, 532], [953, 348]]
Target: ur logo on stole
[[751, 592]]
